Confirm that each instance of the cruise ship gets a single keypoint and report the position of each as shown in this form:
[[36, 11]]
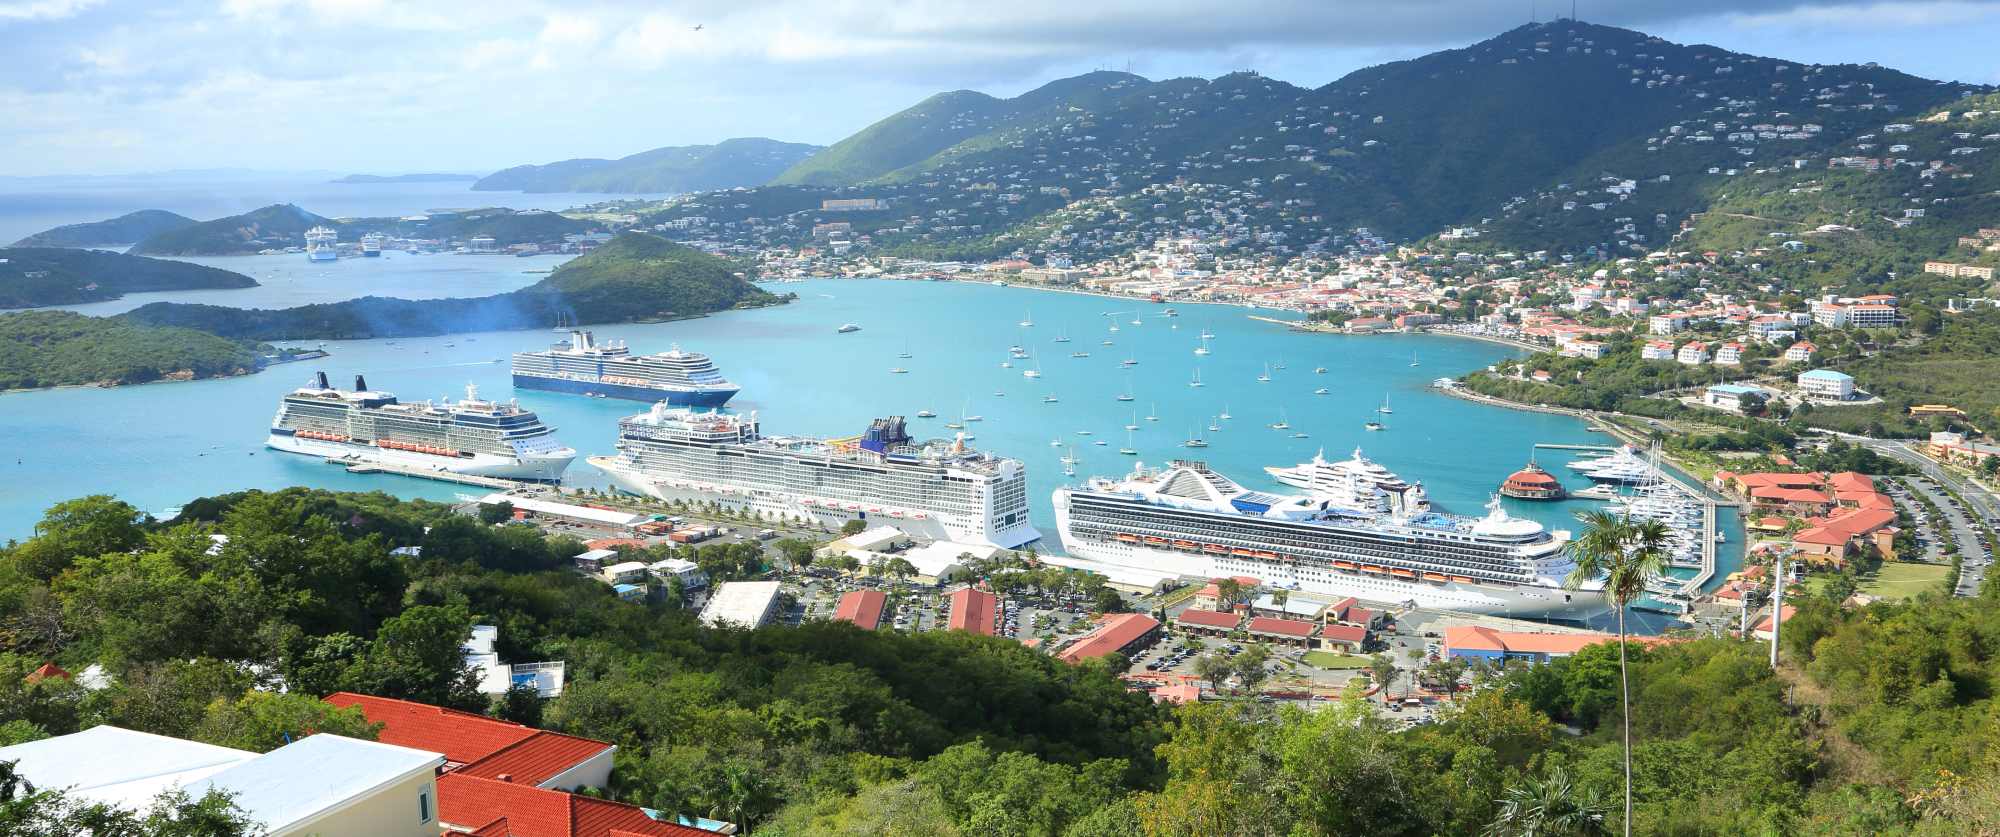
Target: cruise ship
[[470, 436], [371, 245], [1622, 467], [1187, 520], [1357, 483], [321, 244], [939, 489], [680, 378]]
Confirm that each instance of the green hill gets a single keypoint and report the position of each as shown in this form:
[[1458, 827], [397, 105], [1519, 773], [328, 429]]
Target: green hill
[[125, 229], [59, 348], [31, 277], [275, 226], [417, 177], [751, 161], [633, 278]]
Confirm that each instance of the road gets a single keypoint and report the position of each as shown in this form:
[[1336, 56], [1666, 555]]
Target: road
[[1982, 504]]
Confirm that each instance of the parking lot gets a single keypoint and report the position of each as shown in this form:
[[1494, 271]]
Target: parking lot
[[1976, 561]]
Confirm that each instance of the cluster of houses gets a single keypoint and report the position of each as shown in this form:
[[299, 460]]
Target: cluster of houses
[[1830, 517], [1281, 618]]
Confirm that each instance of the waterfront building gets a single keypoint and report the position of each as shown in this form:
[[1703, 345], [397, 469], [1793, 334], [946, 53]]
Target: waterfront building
[[1119, 633], [1736, 398], [1479, 643], [1532, 483]]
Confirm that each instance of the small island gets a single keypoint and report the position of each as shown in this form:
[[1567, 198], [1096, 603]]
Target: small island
[[33, 277], [58, 348], [130, 228], [635, 277], [283, 226], [419, 177]]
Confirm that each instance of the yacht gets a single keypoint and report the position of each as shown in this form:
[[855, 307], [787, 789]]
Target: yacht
[[1062, 338], [1319, 370], [1201, 349], [1358, 483], [1197, 378], [1128, 450], [1050, 398], [1373, 425], [1384, 409], [1079, 354], [1028, 321], [1134, 425], [898, 370], [1154, 413], [1225, 413], [1281, 423], [1321, 391], [1266, 377], [846, 328], [926, 414]]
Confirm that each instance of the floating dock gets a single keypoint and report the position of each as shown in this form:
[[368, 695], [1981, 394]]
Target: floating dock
[[424, 473]]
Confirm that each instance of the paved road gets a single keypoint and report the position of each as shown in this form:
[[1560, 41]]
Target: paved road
[[1983, 503], [1972, 570]]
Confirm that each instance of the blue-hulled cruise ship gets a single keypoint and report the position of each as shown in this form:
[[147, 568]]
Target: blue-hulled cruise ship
[[679, 378]]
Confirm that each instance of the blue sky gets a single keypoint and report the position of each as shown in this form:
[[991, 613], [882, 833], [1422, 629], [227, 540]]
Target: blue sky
[[110, 86]]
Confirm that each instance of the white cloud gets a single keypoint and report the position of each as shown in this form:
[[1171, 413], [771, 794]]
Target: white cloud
[[45, 9]]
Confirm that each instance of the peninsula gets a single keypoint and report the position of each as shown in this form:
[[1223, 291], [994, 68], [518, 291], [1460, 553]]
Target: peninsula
[[32, 277], [59, 348], [125, 229]]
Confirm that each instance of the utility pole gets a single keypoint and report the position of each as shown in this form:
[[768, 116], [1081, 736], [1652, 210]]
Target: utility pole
[[1777, 602]]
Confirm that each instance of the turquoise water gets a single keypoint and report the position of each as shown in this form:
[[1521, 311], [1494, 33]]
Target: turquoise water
[[159, 445]]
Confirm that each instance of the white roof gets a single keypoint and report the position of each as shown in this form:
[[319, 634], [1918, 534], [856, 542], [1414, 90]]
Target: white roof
[[615, 518], [937, 557], [597, 555], [673, 565], [741, 603], [873, 538], [313, 775], [118, 766], [625, 567]]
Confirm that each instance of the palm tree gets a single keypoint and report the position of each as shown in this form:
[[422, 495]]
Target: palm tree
[[1551, 807], [1626, 554], [1383, 668]]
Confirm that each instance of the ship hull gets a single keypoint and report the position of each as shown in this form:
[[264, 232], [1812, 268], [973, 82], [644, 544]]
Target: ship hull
[[827, 513], [321, 256], [711, 398], [1523, 602], [533, 467]]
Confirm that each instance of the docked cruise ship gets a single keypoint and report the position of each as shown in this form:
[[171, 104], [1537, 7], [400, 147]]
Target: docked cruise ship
[[371, 245], [938, 489], [322, 244], [470, 436], [1358, 483], [682, 379], [1187, 520]]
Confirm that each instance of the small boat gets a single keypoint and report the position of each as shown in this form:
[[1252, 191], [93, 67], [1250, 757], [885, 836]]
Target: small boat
[[1203, 348], [1373, 425], [926, 414], [1070, 458], [1413, 359], [1006, 364], [1129, 362], [1213, 427], [1062, 338], [1280, 365], [1266, 377], [952, 425], [1079, 354], [905, 354], [1124, 396], [1321, 391], [1197, 378], [1206, 334], [1384, 409], [1082, 432], [1050, 399], [1282, 423], [1225, 413], [975, 418], [999, 393], [1069, 470], [1105, 343], [1153, 414], [1195, 443], [1299, 435], [1101, 443], [1028, 321], [1319, 370], [1134, 425], [1055, 443], [846, 328], [899, 371], [1170, 313]]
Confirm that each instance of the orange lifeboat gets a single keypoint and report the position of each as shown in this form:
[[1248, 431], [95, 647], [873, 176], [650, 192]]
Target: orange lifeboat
[[1154, 539], [1343, 565], [1127, 537], [1215, 548], [1436, 577], [1247, 553], [1189, 545], [1462, 579], [1267, 554], [1402, 573], [1371, 569]]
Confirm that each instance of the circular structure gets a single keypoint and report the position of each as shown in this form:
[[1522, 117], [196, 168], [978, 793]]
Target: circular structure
[[1532, 483]]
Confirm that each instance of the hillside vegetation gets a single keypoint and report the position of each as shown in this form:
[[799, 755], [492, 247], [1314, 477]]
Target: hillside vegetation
[[283, 225], [59, 348], [633, 278], [129, 228], [32, 277], [751, 161]]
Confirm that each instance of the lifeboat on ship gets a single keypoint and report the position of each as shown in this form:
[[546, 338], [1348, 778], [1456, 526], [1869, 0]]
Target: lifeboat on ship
[[1343, 565], [1399, 572], [1215, 548], [1127, 537]]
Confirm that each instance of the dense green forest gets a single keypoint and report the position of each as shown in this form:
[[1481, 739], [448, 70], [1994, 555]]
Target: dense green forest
[[1883, 720], [730, 164], [633, 278], [129, 228], [58, 348], [31, 277], [284, 225]]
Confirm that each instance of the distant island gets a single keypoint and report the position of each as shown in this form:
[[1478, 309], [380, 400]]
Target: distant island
[[33, 277], [751, 161], [61, 348], [130, 228], [420, 177], [634, 278], [282, 226]]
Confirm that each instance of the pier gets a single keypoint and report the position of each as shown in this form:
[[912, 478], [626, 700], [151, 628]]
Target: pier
[[1691, 587], [425, 473]]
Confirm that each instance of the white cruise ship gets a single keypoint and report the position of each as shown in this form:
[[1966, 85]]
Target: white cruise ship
[[1358, 483], [939, 489], [1187, 520], [321, 244], [472, 436], [680, 378]]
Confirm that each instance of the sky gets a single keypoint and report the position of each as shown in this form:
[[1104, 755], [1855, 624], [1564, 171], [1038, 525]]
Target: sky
[[391, 86]]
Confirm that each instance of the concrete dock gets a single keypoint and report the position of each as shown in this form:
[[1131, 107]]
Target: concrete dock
[[425, 473]]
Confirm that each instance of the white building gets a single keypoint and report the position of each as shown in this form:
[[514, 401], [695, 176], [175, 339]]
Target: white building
[[1657, 350], [1664, 324], [1800, 352], [1729, 354], [1827, 384], [1692, 354], [689, 573], [743, 604]]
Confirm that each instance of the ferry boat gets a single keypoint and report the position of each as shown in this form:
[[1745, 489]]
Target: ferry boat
[[939, 489], [680, 378], [1356, 483], [1188, 521], [471, 436], [321, 244]]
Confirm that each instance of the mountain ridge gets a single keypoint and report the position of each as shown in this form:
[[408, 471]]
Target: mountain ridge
[[743, 161]]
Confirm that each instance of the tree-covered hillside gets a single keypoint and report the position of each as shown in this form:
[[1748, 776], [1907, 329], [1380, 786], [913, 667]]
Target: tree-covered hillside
[[31, 277], [278, 225], [129, 228], [748, 161], [58, 348], [283, 225], [633, 278]]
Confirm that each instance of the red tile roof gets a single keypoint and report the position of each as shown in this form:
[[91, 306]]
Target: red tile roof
[[1476, 638], [976, 611], [537, 758], [863, 608], [1207, 618], [1115, 632], [462, 737], [1281, 627], [1354, 634], [471, 802], [46, 671]]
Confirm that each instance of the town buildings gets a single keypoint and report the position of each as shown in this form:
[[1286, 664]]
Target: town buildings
[[1827, 385]]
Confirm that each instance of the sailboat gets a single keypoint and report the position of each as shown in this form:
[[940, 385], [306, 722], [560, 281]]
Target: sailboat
[[1128, 450], [1322, 391], [1035, 372], [926, 414], [1197, 378], [1154, 413], [906, 351], [1384, 409], [960, 424], [1070, 458], [1413, 359], [1203, 348], [1050, 398], [1225, 413], [1213, 426], [898, 370], [1028, 320], [1266, 377], [1134, 425], [1127, 394], [1206, 334], [1373, 424], [1195, 441], [1055, 443], [1281, 423], [1062, 337]]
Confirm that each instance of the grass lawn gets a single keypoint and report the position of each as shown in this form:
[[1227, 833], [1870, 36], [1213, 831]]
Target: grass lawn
[[1902, 580], [1331, 660]]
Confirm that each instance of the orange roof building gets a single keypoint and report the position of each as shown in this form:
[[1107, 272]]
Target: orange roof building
[[480, 746], [863, 608], [975, 610], [1532, 483], [482, 807], [1473, 642], [1120, 633]]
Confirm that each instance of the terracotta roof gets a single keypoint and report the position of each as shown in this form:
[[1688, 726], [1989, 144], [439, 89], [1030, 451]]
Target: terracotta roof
[[1281, 627], [1359, 615], [1207, 618], [976, 611], [1764, 624], [471, 802], [1343, 633], [46, 671], [1115, 632], [863, 608], [537, 758], [1476, 638], [462, 737]]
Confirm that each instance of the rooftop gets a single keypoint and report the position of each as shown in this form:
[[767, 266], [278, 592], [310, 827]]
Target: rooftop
[[119, 766], [471, 741], [313, 775], [974, 610], [594, 515], [1114, 632], [862, 607], [473, 802], [741, 603], [1208, 618]]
